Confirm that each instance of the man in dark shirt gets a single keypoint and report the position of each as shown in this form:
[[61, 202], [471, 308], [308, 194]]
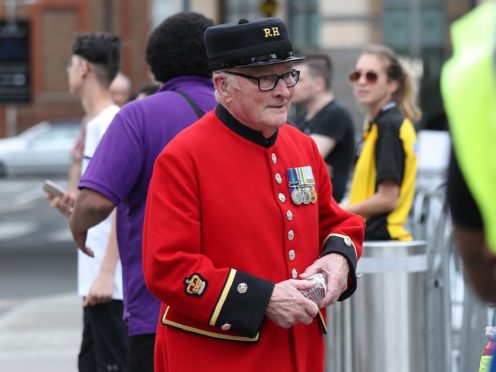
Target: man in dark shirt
[[468, 86], [325, 120]]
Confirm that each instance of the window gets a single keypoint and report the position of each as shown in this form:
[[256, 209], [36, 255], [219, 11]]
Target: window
[[235, 10], [304, 23], [302, 18]]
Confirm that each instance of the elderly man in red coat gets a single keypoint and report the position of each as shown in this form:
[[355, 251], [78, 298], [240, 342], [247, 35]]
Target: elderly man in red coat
[[240, 215]]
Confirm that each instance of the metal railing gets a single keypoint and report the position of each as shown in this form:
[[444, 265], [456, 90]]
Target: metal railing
[[440, 321]]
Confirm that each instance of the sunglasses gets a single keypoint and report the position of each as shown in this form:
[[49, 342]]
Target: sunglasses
[[370, 76]]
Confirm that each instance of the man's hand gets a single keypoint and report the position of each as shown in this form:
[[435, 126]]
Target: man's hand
[[90, 209], [288, 307], [337, 269], [103, 287], [101, 290], [79, 237], [64, 203]]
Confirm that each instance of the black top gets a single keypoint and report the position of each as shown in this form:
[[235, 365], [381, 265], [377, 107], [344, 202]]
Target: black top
[[335, 122], [389, 152], [389, 163], [464, 210]]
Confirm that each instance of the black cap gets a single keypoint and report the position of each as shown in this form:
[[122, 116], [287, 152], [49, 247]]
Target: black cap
[[248, 44]]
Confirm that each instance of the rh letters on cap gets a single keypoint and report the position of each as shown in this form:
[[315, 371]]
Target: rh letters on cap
[[271, 31]]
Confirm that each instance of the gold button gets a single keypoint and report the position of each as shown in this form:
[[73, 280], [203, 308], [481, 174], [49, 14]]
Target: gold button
[[282, 197], [278, 178], [226, 327], [292, 254], [274, 158], [242, 288], [294, 274], [347, 241], [291, 235], [289, 215]]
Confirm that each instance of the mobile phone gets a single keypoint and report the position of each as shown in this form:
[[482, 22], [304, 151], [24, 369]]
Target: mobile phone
[[53, 189]]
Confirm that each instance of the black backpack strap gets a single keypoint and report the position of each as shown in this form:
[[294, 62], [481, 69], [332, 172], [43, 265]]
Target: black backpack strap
[[199, 112]]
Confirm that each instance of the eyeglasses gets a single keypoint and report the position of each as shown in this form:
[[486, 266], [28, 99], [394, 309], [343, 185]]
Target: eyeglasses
[[269, 82], [370, 76]]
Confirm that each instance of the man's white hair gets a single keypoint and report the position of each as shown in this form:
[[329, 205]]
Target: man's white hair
[[231, 79]]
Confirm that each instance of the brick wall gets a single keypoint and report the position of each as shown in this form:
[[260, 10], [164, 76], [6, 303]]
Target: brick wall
[[54, 23]]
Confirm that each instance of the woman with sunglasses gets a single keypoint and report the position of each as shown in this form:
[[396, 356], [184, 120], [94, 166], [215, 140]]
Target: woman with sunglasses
[[383, 185]]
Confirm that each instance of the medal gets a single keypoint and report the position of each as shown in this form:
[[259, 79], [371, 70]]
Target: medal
[[301, 184], [313, 195], [306, 196], [296, 196]]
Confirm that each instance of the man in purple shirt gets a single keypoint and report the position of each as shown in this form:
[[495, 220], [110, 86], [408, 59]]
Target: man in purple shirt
[[121, 168]]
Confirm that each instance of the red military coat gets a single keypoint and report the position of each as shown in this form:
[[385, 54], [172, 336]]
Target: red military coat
[[221, 228]]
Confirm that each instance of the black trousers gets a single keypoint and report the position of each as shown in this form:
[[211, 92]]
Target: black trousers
[[140, 354], [104, 343]]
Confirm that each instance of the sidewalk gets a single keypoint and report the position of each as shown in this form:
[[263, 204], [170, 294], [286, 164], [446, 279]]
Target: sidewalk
[[41, 335]]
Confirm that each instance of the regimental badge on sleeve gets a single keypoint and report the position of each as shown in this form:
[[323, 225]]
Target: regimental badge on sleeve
[[301, 184], [195, 285]]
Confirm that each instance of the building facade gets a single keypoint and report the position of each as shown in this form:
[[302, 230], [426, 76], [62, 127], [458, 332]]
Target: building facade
[[53, 26], [417, 29]]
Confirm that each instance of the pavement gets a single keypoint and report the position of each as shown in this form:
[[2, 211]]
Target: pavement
[[40, 325], [41, 334]]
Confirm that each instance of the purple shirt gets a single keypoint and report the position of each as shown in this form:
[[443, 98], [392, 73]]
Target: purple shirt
[[121, 169]]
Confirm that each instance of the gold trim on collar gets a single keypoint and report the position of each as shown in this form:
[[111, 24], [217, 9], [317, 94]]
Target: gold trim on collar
[[222, 298], [202, 332]]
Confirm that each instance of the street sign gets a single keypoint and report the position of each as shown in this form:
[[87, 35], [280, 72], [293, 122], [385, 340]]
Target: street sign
[[269, 7], [15, 82]]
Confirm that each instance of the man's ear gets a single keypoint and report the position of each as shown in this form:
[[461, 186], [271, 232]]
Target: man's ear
[[85, 67], [222, 87], [320, 84]]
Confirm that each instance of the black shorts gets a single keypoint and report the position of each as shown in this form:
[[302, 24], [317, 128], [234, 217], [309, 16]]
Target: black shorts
[[104, 343]]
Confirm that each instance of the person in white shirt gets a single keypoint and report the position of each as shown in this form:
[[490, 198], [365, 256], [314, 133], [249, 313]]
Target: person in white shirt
[[93, 66]]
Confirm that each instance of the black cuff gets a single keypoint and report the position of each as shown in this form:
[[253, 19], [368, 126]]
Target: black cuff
[[244, 306], [344, 246]]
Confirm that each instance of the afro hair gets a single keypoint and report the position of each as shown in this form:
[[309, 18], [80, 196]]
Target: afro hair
[[176, 47]]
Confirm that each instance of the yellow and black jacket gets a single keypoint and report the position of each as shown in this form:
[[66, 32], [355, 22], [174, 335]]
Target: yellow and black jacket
[[388, 153]]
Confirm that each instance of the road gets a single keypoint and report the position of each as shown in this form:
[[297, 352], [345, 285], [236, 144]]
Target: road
[[40, 312], [37, 256]]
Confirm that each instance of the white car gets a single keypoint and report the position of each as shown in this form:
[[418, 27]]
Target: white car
[[42, 149]]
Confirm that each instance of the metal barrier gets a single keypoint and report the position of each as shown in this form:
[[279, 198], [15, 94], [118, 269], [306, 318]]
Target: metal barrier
[[412, 310], [455, 317], [387, 312]]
